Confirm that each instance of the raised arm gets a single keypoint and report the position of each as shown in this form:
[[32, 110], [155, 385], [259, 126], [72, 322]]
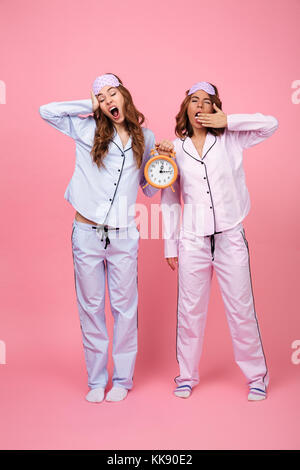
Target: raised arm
[[248, 129], [64, 116], [251, 129]]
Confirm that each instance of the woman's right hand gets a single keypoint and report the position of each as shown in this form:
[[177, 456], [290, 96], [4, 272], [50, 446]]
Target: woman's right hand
[[165, 147], [95, 102], [172, 262]]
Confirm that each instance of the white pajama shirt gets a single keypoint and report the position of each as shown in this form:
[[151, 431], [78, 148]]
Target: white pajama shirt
[[107, 196], [209, 235]]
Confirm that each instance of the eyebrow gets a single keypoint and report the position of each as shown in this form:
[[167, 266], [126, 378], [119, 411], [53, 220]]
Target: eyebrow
[[107, 90], [199, 98]]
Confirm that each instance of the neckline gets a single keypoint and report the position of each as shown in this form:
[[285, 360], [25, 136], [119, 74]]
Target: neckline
[[118, 140], [203, 146], [208, 144]]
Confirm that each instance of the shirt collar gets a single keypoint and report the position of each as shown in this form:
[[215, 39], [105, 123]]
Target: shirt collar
[[190, 148], [117, 140]]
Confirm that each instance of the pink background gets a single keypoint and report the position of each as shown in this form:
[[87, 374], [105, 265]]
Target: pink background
[[52, 51]]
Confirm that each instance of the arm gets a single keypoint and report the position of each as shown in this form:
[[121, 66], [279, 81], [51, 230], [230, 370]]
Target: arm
[[64, 115], [248, 129], [171, 213], [149, 190], [251, 129]]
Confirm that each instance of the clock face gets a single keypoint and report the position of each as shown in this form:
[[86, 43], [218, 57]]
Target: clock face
[[160, 172]]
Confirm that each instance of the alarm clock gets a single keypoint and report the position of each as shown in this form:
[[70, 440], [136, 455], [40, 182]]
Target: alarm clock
[[161, 171]]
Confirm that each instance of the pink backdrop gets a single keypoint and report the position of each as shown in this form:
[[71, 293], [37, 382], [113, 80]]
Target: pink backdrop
[[51, 51]]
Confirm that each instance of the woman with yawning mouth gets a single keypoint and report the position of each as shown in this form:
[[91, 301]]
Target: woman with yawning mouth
[[209, 156], [112, 149]]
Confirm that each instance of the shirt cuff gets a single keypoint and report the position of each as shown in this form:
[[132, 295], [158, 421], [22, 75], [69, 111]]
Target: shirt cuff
[[233, 122], [171, 248]]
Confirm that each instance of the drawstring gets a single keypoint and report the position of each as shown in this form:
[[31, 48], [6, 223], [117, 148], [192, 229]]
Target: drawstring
[[212, 245], [105, 234], [104, 229]]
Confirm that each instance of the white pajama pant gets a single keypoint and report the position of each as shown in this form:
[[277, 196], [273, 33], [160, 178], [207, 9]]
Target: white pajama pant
[[92, 262], [231, 263]]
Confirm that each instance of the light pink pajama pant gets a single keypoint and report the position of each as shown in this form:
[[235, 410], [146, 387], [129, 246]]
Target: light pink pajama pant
[[232, 266]]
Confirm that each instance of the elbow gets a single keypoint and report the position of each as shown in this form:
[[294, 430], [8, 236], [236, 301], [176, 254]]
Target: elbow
[[274, 123], [150, 191], [42, 111], [147, 189], [46, 111]]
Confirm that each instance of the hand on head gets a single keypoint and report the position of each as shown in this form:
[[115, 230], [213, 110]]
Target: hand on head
[[95, 101]]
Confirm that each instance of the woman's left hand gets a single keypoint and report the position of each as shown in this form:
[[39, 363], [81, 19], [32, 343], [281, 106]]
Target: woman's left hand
[[217, 119]]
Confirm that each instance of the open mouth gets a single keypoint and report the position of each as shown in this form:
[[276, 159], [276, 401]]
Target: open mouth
[[197, 114], [115, 112]]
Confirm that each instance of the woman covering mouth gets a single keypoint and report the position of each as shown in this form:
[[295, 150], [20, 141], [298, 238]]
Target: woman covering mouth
[[211, 238]]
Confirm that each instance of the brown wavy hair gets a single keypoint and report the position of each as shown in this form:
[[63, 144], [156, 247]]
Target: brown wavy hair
[[105, 130], [183, 126]]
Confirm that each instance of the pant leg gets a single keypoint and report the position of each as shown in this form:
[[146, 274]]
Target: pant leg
[[232, 266], [123, 293], [194, 282], [89, 268]]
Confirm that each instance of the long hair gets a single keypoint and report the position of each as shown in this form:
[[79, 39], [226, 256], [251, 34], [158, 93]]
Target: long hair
[[183, 126], [105, 130]]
